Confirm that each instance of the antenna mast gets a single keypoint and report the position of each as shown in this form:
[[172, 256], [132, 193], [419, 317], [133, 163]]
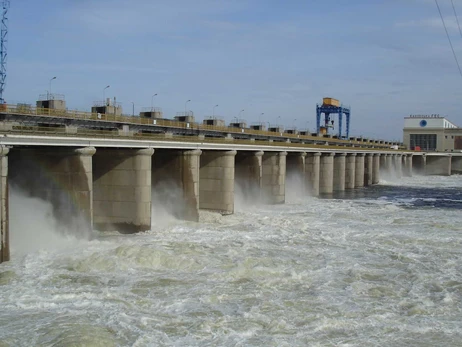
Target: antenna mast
[[3, 42]]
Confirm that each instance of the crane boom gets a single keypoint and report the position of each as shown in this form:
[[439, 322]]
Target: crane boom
[[3, 42]]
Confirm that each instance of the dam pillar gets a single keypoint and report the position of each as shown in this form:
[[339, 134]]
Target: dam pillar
[[397, 165], [438, 165], [456, 165], [61, 176], [339, 171], [122, 190], [359, 170], [350, 164], [383, 163], [407, 165], [326, 173], [175, 183], [296, 171], [419, 162], [312, 166], [368, 169], [4, 206], [216, 181], [248, 175], [274, 177], [389, 164], [376, 168]]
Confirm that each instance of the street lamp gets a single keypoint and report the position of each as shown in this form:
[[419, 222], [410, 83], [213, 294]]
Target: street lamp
[[259, 117], [293, 123], [104, 96], [279, 117], [239, 114], [51, 79], [213, 111], [185, 106], [133, 109], [152, 100]]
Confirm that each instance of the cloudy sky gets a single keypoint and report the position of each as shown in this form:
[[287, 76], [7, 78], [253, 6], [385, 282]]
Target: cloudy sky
[[384, 58]]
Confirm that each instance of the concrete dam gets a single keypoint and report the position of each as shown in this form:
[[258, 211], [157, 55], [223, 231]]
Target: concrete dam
[[108, 185]]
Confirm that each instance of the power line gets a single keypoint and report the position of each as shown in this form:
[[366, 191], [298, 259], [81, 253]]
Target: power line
[[457, 18], [449, 38]]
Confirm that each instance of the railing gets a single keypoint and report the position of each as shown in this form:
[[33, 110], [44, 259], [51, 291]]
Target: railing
[[26, 109], [50, 96]]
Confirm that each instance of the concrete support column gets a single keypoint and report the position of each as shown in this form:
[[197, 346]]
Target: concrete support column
[[350, 165], [274, 177], [376, 168], [216, 187], [359, 170], [407, 168], [383, 163], [438, 165], [4, 206], [389, 167], [397, 165], [312, 166], [368, 169], [122, 190], [175, 183], [339, 171], [326, 173], [456, 165], [419, 163], [296, 171], [248, 174]]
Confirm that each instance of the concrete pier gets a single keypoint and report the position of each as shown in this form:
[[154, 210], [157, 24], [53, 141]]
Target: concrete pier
[[339, 171], [389, 167], [350, 165], [397, 165], [368, 169], [407, 165], [274, 177], [456, 165], [122, 190], [4, 206], [175, 183], [419, 163], [376, 168], [326, 173], [60, 176], [248, 175], [438, 165], [216, 187], [312, 167], [359, 170]]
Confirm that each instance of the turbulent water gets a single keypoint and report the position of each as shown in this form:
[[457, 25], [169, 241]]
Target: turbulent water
[[380, 266]]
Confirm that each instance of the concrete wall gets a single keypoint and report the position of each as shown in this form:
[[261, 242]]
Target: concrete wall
[[456, 165], [359, 170], [4, 206], [60, 176], [248, 175], [350, 165], [419, 163], [376, 168], [175, 183], [438, 165], [339, 171], [326, 173], [216, 181], [312, 167], [274, 177], [122, 190]]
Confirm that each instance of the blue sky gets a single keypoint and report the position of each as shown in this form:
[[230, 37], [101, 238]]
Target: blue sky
[[386, 59]]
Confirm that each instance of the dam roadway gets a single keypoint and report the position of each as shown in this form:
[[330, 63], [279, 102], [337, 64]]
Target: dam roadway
[[96, 181]]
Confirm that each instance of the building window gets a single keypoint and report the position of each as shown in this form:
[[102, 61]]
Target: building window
[[426, 142]]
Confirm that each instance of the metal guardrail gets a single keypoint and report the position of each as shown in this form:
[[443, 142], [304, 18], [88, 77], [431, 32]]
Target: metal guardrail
[[25, 109]]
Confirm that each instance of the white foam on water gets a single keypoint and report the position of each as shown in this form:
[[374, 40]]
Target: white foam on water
[[311, 272]]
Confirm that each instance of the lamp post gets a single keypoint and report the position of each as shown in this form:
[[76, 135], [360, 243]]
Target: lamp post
[[259, 118], [293, 123], [185, 107], [49, 94], [239, 114], [152, 101], [213, 110], [133, 108], [104, 95], [279, 117]]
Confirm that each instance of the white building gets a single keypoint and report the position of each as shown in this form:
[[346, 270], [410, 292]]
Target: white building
[[431, 133]]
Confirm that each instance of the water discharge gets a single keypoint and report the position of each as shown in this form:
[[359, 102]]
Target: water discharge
[[380, 267]]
